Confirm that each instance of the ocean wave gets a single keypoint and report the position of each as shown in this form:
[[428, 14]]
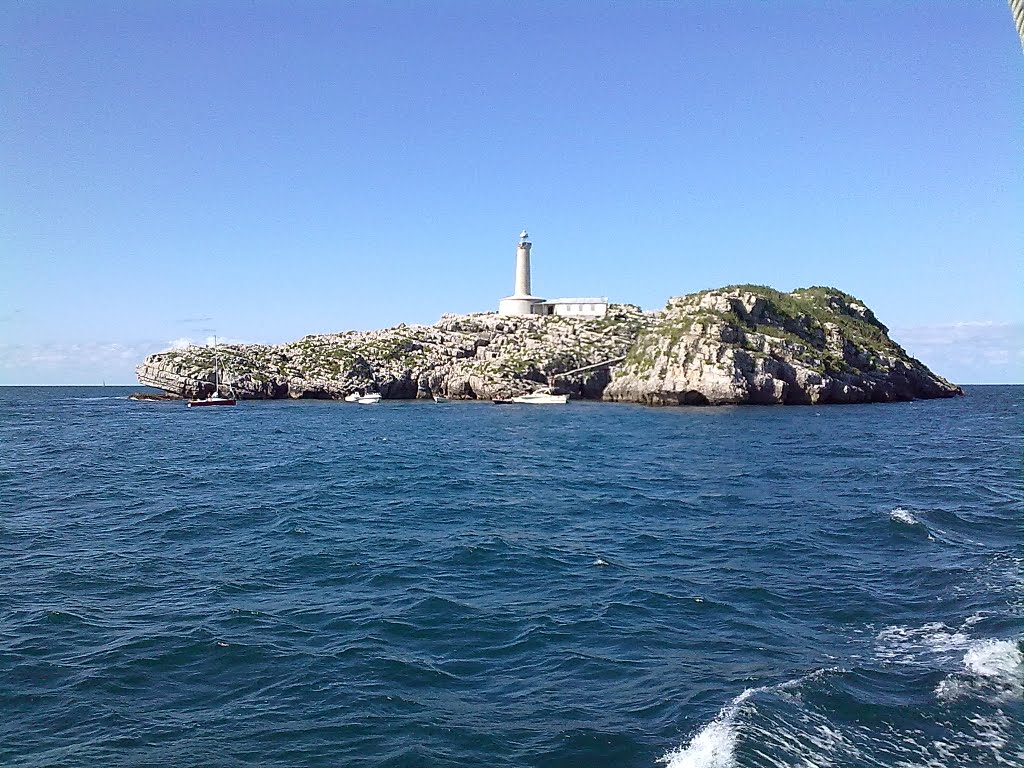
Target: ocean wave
[[905, 516], [927, 644], [797, 723], [984, 667], [155, 578], [914, 523], [992, 670], [714, 745]]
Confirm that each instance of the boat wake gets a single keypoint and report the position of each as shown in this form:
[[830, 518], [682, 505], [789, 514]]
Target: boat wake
[[992, 670], [975, 709], [714, 745], [934, 644]]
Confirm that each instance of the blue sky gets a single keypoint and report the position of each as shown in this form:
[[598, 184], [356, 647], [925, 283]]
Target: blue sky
[[263, 171]]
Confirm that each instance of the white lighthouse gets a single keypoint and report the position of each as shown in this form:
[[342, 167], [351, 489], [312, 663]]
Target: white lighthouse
[[522, 302]]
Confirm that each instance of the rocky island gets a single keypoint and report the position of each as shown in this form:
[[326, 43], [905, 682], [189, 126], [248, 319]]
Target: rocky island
[[741, 344]]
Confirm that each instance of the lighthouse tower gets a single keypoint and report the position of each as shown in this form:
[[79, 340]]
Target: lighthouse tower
[[521, 302]]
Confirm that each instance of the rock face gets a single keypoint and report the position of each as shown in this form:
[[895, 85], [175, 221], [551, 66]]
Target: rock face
[[750, 344], [741, 344], [461, 357]]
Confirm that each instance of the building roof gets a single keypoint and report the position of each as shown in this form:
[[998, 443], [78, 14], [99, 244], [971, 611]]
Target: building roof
[[592, 300]]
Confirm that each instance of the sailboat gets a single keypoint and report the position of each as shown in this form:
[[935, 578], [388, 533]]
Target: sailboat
[[216, 398]]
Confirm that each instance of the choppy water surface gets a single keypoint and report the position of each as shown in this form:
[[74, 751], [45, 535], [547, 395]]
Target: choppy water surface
[[411, 584]]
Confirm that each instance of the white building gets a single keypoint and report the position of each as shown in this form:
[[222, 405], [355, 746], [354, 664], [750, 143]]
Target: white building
[[576, 307], [522, 302]]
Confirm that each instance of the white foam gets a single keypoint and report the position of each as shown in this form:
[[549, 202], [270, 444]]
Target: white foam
[[790, 733], [905, 516], [712, 747], [910, 645], [985, 668], [992, 669], [994, 658]]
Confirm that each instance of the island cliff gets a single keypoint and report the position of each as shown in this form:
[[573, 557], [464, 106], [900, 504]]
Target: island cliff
[[736, 345]]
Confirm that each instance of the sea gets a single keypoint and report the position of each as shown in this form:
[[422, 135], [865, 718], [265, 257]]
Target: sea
[[316, 583]]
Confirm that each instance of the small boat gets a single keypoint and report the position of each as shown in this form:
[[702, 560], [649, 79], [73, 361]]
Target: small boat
[[540, 397], [216, 398], [353, 398], [440, 399], [369, 399]]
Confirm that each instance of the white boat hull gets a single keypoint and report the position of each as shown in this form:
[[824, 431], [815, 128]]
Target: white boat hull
[[541, 398]]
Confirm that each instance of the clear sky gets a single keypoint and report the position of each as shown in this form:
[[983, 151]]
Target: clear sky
[[263, 171]]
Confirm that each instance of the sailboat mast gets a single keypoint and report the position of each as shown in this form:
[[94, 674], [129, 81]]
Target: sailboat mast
[[1017, 9]]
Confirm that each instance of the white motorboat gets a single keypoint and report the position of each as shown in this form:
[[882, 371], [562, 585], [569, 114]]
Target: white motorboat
[[440, 399], [353, 398], [542, 397], [370, 398]]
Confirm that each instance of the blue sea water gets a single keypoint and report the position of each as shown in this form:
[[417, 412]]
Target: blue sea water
[[408, 584]]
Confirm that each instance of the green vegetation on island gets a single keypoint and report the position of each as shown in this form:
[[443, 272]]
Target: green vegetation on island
[[731, 345]]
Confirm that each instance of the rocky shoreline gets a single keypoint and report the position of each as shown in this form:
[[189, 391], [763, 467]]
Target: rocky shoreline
[[734, 345], [154, 396]]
